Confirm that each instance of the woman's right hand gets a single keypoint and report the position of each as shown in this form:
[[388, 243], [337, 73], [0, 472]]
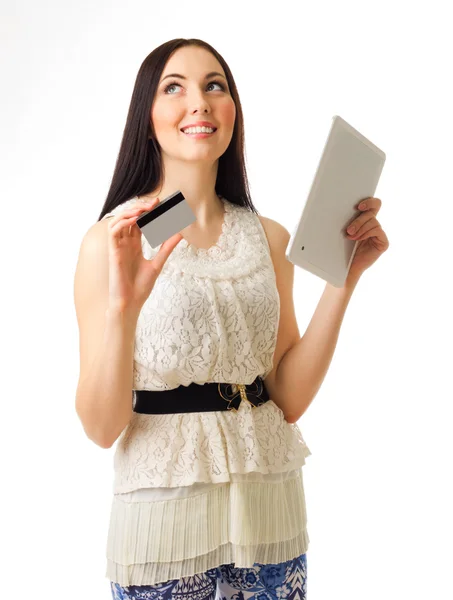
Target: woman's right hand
[[131, 275]]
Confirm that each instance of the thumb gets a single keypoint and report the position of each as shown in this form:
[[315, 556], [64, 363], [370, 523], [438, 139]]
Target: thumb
[[165, 250]]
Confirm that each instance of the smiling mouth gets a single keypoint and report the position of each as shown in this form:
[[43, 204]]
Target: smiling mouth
[[193, 131]]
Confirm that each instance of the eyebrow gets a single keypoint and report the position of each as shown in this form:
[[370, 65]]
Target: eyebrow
[[208, 76]]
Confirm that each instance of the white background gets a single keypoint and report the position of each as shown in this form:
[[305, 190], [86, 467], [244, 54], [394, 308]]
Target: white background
[[378, 483]]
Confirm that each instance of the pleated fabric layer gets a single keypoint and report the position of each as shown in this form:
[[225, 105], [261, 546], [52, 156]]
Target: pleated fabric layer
[[240, 522]]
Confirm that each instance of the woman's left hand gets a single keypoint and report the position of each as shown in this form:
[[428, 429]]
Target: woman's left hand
[[372, 239]]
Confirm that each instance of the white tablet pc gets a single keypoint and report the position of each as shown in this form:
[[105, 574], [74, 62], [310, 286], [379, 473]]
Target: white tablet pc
[[349, 171]]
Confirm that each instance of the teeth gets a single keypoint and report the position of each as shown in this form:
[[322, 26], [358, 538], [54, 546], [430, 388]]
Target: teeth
[[198, 130]]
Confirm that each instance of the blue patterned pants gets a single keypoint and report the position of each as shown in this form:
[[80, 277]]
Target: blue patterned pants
[[287, 580]]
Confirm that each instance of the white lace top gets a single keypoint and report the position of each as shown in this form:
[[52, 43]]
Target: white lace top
[[212, 316]]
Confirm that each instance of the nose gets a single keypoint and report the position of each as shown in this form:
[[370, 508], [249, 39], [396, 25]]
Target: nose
[[201, 109], [200, 104]]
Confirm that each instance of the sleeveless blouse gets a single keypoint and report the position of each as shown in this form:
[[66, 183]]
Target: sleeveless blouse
[[192, 491]]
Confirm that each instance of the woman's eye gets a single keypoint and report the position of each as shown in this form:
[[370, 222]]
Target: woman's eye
[[174, 84], [217, 83], [170, 86]]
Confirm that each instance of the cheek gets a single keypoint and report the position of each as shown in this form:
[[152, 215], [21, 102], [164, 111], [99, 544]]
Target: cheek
[[228, 112], [164, 116]]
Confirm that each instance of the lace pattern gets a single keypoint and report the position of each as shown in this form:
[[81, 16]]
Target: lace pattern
[[174, 450], [212, 316], [240, 249]]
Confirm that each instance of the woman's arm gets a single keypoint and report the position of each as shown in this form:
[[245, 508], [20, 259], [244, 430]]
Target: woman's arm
[[301, 363], [107, 337], [303, 368]]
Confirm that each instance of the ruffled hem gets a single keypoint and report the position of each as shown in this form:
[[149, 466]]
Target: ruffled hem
[[175, 450], [154, 573], [242, 523]]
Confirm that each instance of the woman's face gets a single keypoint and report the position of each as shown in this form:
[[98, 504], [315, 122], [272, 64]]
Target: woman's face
[[193, 97]]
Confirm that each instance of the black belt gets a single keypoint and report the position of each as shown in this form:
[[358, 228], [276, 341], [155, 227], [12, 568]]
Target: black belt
[[200, 398]]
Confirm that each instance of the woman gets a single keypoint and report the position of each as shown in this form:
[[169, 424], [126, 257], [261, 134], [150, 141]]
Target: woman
[[208, 494]]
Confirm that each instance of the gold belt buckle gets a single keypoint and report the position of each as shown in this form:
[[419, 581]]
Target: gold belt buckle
[[242, 391]]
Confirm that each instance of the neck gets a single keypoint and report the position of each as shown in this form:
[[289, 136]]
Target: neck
[[197, 183]]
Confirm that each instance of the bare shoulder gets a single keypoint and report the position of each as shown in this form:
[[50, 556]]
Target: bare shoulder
[[278, 238], [92, 262], [277, 235], [95, 236]]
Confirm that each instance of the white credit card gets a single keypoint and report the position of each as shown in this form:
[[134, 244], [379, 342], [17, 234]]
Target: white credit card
[[170, 216]]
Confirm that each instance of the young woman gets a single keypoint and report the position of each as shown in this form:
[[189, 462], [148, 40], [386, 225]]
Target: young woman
[[190, 352]]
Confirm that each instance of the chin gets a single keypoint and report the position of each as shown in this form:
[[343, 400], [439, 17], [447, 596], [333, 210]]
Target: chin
[[199, 155]]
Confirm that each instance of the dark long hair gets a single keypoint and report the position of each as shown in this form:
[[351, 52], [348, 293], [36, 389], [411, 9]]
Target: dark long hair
[[138, 170]]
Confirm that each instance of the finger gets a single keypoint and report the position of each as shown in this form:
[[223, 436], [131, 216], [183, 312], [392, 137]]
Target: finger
[[359, 223], [366, 227], [165, 250], [149, 206], [120, 229], [118, 223], [372, 232], [378, 238], [373, 204], [133, 210]]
